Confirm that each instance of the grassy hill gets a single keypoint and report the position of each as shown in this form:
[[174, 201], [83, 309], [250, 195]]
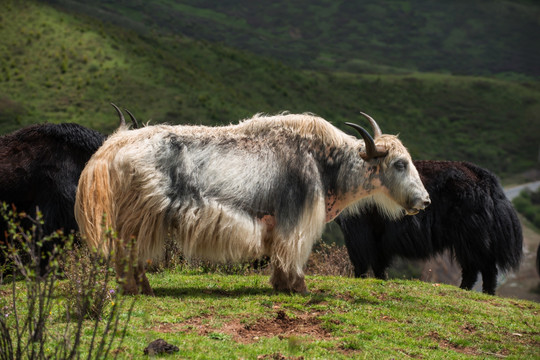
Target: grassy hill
[[211, 316], [458, 37], [59, 67]]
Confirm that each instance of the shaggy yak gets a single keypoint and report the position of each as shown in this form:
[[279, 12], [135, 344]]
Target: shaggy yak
[[265, 186], [469, 215], [40, 167]]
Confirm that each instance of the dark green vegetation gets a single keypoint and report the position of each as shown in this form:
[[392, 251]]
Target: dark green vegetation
[[459, 37], [57, 66], [528, 204]]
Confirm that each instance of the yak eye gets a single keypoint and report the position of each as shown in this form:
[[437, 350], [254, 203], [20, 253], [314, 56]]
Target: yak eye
[[400, 165]]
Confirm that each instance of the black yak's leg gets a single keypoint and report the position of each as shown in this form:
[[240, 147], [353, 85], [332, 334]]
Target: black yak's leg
[[360, 271], [379, 268], [489, 280], [360, 264], [468, 277]]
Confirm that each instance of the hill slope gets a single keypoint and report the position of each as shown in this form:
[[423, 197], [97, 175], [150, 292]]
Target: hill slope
[[460, 37], [59, 67], [211, 316]]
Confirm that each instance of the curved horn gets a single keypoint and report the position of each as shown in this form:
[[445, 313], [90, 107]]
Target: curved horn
[[376, 129], [122, 120], [372, 151], [133, 120]]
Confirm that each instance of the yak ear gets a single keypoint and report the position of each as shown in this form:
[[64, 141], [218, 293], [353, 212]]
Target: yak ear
[[372, 151]]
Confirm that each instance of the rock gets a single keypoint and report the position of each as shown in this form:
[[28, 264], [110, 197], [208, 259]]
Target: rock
[[160, 346]]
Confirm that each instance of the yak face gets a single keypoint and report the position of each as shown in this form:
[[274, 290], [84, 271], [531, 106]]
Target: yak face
[[401, 182], [397, 187]]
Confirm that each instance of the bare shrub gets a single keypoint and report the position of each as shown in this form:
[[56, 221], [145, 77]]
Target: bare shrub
[[329, 259], [34, 298], [326, 259]]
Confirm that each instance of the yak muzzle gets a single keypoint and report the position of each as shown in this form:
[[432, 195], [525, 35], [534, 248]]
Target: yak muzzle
[[419, 204]]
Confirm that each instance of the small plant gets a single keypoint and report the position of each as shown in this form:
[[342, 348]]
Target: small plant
[[39, 320], [87, 290]]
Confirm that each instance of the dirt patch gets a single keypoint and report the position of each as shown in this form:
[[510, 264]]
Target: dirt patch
[[279, 356], [445, 344], [282, 325], [468, 329]]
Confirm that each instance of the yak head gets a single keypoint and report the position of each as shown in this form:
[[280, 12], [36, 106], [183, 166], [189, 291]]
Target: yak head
[[396, 187]]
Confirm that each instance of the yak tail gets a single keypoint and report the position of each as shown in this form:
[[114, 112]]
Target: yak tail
[[94, 205], [507, 230]]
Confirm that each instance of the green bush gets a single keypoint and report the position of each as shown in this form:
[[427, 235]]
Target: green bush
[[528, 204]]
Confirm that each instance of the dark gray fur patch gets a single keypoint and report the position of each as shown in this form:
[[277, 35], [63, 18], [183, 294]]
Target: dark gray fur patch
[[291, 187]]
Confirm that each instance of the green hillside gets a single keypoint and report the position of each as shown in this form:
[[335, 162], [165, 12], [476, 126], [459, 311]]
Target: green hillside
[[459, 37], [58, 67]]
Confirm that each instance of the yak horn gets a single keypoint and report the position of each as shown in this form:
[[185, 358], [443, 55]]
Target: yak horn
[[376, 129], [372, 151], [122, 120], [133, 120]]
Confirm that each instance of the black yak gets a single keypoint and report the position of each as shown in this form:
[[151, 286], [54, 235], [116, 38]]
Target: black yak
[[265, 186], [40, 167], [469, 215]]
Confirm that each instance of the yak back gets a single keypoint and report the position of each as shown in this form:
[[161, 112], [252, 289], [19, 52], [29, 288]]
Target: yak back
[[41, 165]]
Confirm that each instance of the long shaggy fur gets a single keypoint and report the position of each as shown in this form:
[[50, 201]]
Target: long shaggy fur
[[223, 193], [469, 215], [40, 168]]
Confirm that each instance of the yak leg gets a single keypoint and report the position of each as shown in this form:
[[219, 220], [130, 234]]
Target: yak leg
[[379, 267], [124, 273], [131, 277], [469, 276], [287, 282], [489, 280], [142, 280]]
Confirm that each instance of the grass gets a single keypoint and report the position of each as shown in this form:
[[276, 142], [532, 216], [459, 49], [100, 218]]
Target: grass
[[239, 316]]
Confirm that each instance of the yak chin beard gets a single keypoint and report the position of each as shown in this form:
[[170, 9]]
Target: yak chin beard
[[410, 211], [386, 206]]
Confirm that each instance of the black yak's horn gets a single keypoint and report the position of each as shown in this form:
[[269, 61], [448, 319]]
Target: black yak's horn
[[372, 151], [122, 120], [133, 120], [376, 129]]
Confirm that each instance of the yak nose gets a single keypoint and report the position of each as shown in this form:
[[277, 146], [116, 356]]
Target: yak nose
[[422, 203]]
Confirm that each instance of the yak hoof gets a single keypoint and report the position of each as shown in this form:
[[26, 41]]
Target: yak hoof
[[290, 283], [145, 287]]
